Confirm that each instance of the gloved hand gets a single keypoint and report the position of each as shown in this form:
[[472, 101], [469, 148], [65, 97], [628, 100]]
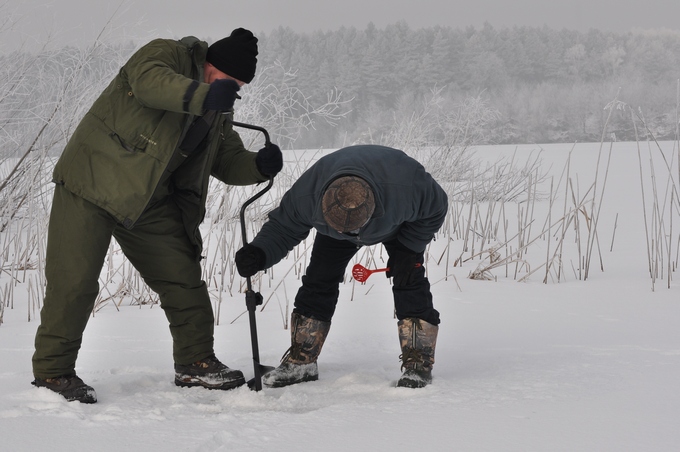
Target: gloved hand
[[403, 265], [269, 160], [221, 95], [249, 260]]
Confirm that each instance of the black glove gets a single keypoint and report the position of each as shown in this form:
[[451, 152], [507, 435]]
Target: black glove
[[221, 95], [403, 265], [269, 160], [249, 260]]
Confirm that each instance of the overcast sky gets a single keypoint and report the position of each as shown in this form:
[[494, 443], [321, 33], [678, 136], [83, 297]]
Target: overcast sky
[[77, 20]]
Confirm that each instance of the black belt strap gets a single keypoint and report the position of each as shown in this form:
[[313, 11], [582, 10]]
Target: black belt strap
[[197, 132], [189, 94]]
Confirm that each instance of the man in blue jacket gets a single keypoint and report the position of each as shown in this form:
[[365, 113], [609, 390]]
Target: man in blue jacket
[[356, 196]]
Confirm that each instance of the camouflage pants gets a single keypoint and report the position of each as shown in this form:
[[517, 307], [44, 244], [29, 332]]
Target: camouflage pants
[[78, 239], [318, 296]]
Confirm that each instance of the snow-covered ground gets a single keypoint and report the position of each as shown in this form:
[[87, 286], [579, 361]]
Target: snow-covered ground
[[520, 366]]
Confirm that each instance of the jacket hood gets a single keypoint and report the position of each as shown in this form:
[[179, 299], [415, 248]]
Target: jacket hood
[[349, 169], [199, 52]]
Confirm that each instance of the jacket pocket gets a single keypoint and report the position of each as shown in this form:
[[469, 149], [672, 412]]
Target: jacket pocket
[[124, 144], [133, 125]]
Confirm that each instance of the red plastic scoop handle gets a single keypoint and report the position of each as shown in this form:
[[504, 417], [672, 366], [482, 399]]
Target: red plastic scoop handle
[[361, 273]]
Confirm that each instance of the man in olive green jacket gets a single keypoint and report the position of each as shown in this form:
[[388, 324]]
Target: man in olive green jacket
[[137, 168]]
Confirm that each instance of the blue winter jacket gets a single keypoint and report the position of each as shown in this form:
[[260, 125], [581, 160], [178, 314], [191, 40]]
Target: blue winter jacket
[[410, 204]]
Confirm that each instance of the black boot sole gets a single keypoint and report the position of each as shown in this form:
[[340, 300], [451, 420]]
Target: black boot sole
[[222, 386], [284, 383]]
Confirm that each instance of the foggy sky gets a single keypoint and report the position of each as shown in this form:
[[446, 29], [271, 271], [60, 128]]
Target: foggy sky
[[75, 21]]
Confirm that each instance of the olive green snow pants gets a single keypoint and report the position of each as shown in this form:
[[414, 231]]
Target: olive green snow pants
[[79, 235]]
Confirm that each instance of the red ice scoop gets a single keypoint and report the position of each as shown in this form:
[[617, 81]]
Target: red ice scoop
[[361, 273]]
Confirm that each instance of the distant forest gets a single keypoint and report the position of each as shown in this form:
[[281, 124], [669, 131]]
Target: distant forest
[[546, 85], [436, 86]]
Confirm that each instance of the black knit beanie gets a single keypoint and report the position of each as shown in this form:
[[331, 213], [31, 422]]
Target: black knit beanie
[[235, 55]]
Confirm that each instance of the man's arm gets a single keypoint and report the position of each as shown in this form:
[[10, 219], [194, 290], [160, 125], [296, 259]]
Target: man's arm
[[288, 225], [156, 74], [433, 204], [234, 164]]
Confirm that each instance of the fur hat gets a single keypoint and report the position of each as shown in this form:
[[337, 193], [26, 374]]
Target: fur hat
[[235, 55], [348, 203]]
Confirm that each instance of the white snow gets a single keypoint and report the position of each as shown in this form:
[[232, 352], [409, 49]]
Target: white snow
[[571, 366]]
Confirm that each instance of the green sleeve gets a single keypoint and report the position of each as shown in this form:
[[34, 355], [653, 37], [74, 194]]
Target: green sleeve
[[234, 164], [159, 75]]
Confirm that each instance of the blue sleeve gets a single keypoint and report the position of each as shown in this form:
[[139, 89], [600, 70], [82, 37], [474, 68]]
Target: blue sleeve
[[430, 206], [286, 227]]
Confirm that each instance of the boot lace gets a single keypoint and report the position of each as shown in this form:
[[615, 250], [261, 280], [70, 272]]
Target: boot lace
[[411, 358], [207, 363], [293, 352]]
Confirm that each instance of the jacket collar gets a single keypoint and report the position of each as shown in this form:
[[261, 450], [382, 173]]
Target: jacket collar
[[199, 52]]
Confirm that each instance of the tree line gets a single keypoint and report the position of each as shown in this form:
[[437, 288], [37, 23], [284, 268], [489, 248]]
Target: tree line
[[547, 85], [334, 88]]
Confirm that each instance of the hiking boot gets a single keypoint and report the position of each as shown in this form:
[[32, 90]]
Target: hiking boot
[[209, 373], [418, 340], [71, 387], [299, 362]]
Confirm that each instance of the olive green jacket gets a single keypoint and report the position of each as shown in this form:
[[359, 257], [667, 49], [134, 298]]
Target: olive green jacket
[[122, 147]]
